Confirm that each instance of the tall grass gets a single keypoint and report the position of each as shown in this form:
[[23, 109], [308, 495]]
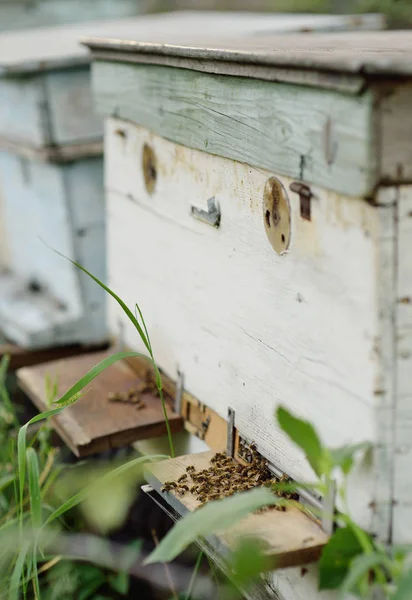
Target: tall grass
[[29, 487]]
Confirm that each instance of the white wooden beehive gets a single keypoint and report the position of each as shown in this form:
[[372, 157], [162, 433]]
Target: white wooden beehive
[[308, 306]]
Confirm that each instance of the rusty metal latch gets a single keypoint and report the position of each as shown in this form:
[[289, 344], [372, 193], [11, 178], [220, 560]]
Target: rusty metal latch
[[211, 216]]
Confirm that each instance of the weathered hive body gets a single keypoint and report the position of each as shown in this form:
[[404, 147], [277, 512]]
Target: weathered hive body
[[51, 173], [259, 211]]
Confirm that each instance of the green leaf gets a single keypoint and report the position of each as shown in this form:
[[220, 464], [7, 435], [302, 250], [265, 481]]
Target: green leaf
[[34, 488], [214, 516], [120, 582], [303, 434], [248, 560], [94, 372], [83, 494], [21, 445], [344, 456], [359, 567], [336, 558], [91, 586], [4, 365], [404, 591]]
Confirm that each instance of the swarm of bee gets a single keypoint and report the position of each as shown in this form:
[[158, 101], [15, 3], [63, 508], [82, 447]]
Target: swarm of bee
[[226, 477], [134, 394]]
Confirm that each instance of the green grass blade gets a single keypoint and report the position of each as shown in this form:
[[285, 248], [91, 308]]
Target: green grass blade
[[35, 576], [125, 308], [214, 516], [34, 488], [4, 365], [94, 372], [82, 495], [22, 445], [17, 574], [145, 328]]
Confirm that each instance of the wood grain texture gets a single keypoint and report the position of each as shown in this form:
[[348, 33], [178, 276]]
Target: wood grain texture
[[290, 537], [94, 424], [274, 126], [250, 329], [402, 481]]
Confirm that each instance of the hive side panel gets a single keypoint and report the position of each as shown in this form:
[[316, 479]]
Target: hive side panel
[[84, 181], [72, 116], [321, 136], [402, 523], [23, 115], [37, 215], [249, 328]]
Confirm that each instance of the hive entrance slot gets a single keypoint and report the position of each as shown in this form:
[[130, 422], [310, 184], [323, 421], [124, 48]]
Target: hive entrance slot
[[290, 537]]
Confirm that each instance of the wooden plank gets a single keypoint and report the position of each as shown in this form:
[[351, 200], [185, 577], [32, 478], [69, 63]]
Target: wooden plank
[[27, 357], [402, 481], [249, 328], [291, 538], [58, 47], [370, 53], [52, 154], [94, 423], [385, 381], [279, 127]]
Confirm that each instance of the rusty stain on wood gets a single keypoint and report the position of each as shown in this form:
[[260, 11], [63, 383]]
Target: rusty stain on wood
[[149, 164]]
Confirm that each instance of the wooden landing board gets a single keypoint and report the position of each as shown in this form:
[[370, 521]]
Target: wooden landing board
[[291, 537], [26, 357], [94, 423]]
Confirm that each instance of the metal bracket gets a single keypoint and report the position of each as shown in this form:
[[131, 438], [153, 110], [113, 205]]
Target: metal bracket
[[230, 448], [305, 197], [180, 383], [211, 216]]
